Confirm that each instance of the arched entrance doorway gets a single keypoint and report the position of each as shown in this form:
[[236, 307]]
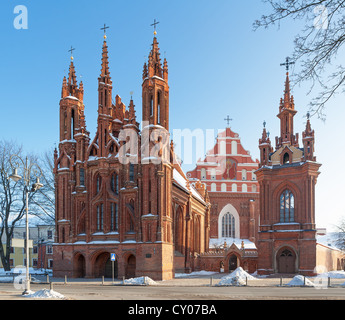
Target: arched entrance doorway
[[232, 262], [286, 261], [131, 267], [108, 269], [103, 266], [79, 266]]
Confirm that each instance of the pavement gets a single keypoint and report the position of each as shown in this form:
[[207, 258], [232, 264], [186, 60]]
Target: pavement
[[185, 288]]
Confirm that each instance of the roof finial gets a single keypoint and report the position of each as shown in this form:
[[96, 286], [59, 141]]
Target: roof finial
[[104, 29], [287, 63], [154, 26], [227, 119], [71, 51]]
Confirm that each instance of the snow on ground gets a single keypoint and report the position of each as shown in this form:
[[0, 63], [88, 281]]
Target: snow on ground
[[236, 278], [300, 281], [195, 273], [333, 274], [45, 294], [140, 281]]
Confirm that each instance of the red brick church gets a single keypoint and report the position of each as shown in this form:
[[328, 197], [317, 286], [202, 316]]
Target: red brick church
[[123, 191]]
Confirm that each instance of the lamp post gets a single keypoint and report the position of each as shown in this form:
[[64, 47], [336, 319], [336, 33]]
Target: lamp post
[[28, 170]]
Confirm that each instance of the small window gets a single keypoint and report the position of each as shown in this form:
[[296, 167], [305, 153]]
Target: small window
[[234, 187], [244, 174], [213, 187], [203, 173], [286, 158], [131, 172], [213, 174], [223, 187], [244, 188], [82, 177]]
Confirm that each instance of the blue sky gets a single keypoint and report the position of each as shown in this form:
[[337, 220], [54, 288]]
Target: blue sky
[[218, 66]]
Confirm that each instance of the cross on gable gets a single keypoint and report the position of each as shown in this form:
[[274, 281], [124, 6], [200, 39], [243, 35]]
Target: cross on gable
[[287, 63], [227, 119]]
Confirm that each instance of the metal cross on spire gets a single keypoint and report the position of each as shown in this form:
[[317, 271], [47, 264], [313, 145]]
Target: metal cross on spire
[[71, 51], [104, 29], [287, 63], [154, 26], [227, 119]]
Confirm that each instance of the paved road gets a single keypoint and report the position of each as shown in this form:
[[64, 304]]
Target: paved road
[[91, 290]]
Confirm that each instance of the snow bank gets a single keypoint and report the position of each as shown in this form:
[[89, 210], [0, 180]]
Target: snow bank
[[45, 293], [237, 277], [233, 281], [300, 281], [195, 273], [140, 281]]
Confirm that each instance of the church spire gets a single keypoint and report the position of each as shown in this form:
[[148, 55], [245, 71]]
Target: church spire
[[155, 65], [286, 114], [155, 88], [69, 85]]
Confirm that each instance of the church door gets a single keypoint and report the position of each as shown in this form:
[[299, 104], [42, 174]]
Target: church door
[[108, 269], [131, 266], [232, 263], [80, 267], [286, 262]]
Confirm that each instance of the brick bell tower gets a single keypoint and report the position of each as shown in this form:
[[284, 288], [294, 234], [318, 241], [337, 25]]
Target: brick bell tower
[[74, 140], [157, 169], [287, 178]]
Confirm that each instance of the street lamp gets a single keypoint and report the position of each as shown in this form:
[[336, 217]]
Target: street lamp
[[29, 169]]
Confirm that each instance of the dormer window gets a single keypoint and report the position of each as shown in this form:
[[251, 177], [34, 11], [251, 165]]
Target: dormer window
[[286, 158]]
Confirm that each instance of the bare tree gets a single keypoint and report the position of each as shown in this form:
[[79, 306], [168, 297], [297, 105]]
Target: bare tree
[[316, 47], [340, 238], [45, 200], [13, 199]]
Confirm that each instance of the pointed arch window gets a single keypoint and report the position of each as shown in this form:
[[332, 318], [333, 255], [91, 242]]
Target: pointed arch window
[[158, 107], [287, 206], [100, 217], [151, 106], [98, 184], [114, 217], [228, 226], [114, 183]]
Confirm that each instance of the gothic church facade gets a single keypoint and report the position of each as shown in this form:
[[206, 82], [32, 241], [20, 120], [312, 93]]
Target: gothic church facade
[[111, 194]]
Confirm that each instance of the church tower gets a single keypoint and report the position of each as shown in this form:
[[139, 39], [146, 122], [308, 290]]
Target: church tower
[[70, 160], [287, 178], [157, 169], [155, 89]]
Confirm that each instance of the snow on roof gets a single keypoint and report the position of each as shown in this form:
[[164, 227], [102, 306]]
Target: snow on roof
[[229, 241], [180, 180], [328, 240]]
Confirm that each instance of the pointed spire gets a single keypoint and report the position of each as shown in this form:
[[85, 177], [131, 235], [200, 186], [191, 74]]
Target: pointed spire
[[288, 101], [165, 70], [72, 78], [105, 60], [155, 65], [145, 71]]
